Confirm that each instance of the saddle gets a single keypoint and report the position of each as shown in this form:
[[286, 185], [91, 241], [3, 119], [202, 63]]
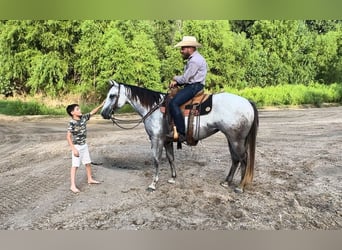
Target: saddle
[[200, 104]]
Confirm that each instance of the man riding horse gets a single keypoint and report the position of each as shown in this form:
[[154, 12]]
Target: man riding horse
[[192, 81]]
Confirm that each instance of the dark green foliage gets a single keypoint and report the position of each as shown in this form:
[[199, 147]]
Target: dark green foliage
[[322, 26], [242, 26]]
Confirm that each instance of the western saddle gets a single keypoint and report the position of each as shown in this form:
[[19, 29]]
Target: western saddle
[[200, 104]]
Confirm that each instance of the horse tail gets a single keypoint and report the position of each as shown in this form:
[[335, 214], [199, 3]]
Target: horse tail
[[251, 144]]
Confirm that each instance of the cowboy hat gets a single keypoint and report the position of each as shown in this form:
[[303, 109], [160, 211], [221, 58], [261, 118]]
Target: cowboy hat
[[188, 41]]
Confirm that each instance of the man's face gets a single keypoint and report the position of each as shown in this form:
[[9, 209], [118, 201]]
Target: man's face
[[186, 52]]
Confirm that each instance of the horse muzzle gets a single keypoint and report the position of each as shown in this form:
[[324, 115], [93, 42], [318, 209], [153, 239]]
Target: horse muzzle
[[106, 113]]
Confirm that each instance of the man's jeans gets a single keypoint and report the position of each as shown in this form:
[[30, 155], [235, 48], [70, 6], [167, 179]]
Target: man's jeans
[[185, 94]]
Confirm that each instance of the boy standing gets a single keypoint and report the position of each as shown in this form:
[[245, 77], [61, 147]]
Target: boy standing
[[76, 136]]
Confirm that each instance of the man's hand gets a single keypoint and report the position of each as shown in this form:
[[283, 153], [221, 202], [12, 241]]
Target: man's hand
[[173, 84]]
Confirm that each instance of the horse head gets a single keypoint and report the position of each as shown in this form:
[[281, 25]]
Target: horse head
[[114, 100]]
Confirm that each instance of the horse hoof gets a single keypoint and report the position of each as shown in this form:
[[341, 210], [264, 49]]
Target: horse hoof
[[224, 184], [171, 181], [238, 190], [151, 188]]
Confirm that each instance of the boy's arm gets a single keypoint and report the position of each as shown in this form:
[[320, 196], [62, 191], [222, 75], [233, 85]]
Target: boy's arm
[[71, 144], [95, 110]]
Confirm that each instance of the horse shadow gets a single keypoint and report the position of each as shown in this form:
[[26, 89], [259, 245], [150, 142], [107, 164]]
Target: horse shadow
[[128, 162]]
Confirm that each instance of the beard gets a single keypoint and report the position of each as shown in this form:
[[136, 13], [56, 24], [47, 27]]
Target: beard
[[185, 56]]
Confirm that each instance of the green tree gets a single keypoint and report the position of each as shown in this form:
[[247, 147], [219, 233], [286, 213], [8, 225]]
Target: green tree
[[146, 65], [282, 52], [114, 62], [242, 26], [50, 67], [54, 57], [329, 57], [15, 57], [322, 26], [48, 73], [88, 55], [35, 55], [163, 36], [171, 65], [130, 28]]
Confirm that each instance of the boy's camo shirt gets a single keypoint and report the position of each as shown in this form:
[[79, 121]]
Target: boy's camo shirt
[[78, 129]]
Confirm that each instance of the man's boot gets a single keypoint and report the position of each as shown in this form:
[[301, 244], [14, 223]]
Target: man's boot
[[172, 135]]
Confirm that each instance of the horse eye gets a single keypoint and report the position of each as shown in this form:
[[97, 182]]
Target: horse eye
[[111, 96]]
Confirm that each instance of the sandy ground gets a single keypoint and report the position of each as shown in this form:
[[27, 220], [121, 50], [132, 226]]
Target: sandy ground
[[297, 182]]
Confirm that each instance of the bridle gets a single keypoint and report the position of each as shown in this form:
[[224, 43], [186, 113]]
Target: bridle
[[117, 121]]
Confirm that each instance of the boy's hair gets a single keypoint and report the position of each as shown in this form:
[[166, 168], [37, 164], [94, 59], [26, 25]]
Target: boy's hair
[[71, 108]]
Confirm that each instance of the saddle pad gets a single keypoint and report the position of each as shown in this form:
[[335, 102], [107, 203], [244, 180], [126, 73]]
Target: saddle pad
[[200, 109]]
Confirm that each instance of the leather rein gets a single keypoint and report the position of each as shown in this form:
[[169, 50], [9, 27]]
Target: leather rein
[[117, 121]]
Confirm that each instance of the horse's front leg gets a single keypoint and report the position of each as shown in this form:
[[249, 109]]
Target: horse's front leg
[[171, 158], [157, 150]]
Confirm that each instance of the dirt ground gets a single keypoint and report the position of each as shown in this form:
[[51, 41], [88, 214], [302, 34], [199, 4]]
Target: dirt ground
[[297, 183]]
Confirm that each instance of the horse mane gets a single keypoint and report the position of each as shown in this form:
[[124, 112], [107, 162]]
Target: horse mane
[[148, 98]]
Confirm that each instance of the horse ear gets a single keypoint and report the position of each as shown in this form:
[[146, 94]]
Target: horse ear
[[111, 82]]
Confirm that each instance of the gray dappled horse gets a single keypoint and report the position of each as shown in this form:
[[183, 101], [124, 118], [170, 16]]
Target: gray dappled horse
[[233, 115]]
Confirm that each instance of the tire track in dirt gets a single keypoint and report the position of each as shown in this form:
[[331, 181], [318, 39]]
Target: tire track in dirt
[[23, 195], [31, 172]]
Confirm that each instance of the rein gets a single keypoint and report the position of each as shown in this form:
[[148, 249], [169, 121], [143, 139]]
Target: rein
[[116, 121]]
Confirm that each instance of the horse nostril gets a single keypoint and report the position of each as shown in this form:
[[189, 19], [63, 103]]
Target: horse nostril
[[105, 114]]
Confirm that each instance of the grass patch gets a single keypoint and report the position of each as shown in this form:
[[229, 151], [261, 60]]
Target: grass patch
[[18, 108], [280, 95], [125, 109], [37, 105], [289, 94], [41, 105]]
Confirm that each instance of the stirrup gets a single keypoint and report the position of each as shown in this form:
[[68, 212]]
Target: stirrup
[[181, 138]]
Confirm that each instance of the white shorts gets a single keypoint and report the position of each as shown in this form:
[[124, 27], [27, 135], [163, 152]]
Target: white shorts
[[84, 156]]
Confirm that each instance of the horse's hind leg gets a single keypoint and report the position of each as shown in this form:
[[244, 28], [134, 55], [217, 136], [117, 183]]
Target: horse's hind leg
[[170, 157], [243, 166], [239, 157], [235, 163]]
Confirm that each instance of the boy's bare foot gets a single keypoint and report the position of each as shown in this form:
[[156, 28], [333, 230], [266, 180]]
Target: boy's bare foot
[[93, 182], [75, 190]]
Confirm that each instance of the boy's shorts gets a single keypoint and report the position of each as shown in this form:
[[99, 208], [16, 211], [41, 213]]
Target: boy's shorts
[[84, 156]]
